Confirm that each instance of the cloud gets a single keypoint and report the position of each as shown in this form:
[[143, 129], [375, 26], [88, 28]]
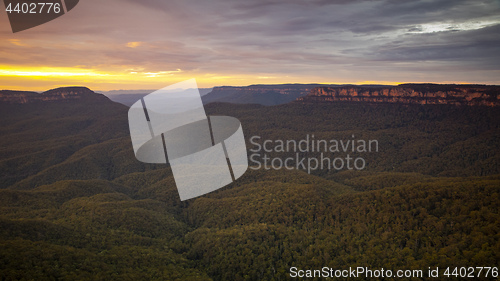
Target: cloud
[[323, 40], [479, 47], [134, 44]]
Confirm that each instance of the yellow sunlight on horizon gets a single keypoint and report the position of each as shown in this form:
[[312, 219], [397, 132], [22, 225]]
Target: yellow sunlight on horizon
[[39, 78], [44, 78]]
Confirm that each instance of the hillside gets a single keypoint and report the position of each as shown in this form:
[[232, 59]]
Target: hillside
[[59, 95], [44, 132], [77, 205]]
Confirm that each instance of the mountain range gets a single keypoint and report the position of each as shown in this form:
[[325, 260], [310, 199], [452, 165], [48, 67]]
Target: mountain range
[[259, 94], [281, 94], [129, 97]]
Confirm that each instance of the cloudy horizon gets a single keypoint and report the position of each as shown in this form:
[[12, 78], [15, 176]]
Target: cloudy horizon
[[125, 44]]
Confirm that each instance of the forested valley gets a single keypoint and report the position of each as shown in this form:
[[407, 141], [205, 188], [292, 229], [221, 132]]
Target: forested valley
[[77, 205]]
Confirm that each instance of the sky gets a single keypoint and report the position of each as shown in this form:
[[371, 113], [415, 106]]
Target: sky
[[150, 44]]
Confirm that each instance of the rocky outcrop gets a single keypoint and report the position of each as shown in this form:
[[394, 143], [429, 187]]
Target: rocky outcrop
[[60, 94], [409, 94]]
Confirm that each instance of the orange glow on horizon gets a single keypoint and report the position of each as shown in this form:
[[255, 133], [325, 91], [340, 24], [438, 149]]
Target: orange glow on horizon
[[44, 78]]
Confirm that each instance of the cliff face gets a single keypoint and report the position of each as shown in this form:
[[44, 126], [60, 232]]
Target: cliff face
[[409, 93], [60, 94]]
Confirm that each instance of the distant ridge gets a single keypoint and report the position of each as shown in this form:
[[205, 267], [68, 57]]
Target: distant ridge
[[471, 95], [129, 97], [66, 94], [453, 94], [259, 94]]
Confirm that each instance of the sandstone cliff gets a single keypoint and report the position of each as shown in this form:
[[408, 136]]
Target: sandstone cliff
[[409, 93]]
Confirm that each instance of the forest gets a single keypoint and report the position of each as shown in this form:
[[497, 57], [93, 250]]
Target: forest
[[77, 205]]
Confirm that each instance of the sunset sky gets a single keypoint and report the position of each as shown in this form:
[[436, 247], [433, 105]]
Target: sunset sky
[[149, 44]]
